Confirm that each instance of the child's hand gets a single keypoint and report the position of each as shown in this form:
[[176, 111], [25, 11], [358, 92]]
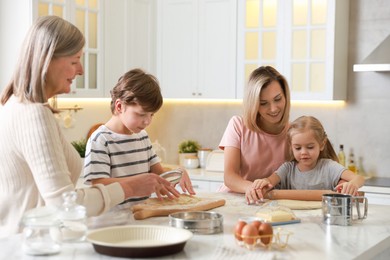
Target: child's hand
[[145, 184], [185, 183], [347, 188], [257, 190]]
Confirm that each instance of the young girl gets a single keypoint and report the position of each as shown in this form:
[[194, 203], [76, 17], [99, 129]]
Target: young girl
[[122, 148], [313, 163]]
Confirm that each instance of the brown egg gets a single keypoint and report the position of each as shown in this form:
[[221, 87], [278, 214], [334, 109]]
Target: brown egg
[[265, 230], [249, 234], [238, 229], [256, 223]]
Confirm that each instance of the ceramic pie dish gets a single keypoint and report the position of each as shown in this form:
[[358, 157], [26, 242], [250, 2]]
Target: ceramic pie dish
[[139, 240]]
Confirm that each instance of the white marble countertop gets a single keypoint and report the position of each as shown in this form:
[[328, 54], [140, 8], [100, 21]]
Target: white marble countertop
[[310, 239]]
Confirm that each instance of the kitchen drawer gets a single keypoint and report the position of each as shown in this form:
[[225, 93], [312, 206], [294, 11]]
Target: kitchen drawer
[[378, 198], [206, 186], [214, 186], [377, 194]]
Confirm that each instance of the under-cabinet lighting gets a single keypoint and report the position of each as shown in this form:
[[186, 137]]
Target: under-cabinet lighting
[[318, 103], [84, 100], [105, 101], [202, 101]]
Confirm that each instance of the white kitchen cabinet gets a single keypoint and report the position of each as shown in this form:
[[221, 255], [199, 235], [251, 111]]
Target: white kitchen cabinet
[[129, 38], [305, 40], [376, 194], [196, 51], [205, 185], [200, 186], [378, 198]]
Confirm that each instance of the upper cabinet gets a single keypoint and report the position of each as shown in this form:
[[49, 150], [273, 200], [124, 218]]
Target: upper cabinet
[[196, 50], [129, 38], [199, 48], [306, 40], [120, 35], [87, 15]]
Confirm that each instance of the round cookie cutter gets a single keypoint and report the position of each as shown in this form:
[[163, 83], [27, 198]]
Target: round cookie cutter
[[201, 222], [173, 176]]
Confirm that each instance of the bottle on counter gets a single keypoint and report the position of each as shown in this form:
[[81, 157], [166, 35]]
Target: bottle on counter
[[351, 162], [341, 155], [362, 171], [73, 218]]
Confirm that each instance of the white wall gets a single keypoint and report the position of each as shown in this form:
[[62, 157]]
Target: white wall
[[13, 29]]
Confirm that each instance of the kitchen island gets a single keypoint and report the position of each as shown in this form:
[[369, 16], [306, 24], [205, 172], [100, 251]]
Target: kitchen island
[[310, 239]]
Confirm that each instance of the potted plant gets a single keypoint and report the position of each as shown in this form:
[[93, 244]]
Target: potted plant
[[188, 149], [80, 146]]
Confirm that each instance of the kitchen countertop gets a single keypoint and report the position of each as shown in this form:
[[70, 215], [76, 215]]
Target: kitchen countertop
[[379, 185], [378, 182], [310, 239]]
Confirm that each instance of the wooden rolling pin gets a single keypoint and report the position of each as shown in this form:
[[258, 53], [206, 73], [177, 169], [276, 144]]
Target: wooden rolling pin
[[307, 195], [148, 212]]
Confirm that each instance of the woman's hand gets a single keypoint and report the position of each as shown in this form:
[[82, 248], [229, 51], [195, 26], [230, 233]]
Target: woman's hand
[[347, 188], [257, 190], [143, 185], [185, 182]]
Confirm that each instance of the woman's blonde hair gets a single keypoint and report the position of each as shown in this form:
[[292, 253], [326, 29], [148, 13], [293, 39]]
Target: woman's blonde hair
[[306, 123], [137, 87], [259, 79], [50, 37]]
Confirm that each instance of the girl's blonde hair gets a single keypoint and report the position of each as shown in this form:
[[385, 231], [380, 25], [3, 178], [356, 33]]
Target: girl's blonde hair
[[306, 123], [259, 79], [137, 87], [50, 37]]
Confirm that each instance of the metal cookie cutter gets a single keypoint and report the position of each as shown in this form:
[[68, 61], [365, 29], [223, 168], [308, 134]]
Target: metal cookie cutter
[[173, 176]]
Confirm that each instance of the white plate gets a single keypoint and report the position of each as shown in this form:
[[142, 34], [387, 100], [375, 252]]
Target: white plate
[[139, 240]]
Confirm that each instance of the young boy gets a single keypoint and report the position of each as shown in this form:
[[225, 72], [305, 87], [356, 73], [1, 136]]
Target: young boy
[[121, 147]]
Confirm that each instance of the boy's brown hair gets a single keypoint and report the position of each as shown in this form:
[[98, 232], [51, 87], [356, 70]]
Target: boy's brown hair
[[138, 87]]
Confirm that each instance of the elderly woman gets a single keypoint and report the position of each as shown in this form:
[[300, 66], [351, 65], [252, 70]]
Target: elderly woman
[[37, 164]]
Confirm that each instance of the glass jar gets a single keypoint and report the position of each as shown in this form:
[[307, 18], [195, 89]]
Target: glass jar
[[73, 219], [41, 235]]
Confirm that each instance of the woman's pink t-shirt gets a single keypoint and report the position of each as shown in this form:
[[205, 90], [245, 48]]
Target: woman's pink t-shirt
[[261, 153]]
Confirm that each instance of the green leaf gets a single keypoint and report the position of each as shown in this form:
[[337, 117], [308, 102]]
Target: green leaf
[[189, 146], [80, 146]]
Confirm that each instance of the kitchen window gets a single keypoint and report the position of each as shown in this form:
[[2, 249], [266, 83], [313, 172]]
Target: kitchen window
[[305, 40], [87, 16]]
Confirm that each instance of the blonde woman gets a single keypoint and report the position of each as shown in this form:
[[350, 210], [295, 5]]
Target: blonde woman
[[312, 163], [37, 164], [254, 145]]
